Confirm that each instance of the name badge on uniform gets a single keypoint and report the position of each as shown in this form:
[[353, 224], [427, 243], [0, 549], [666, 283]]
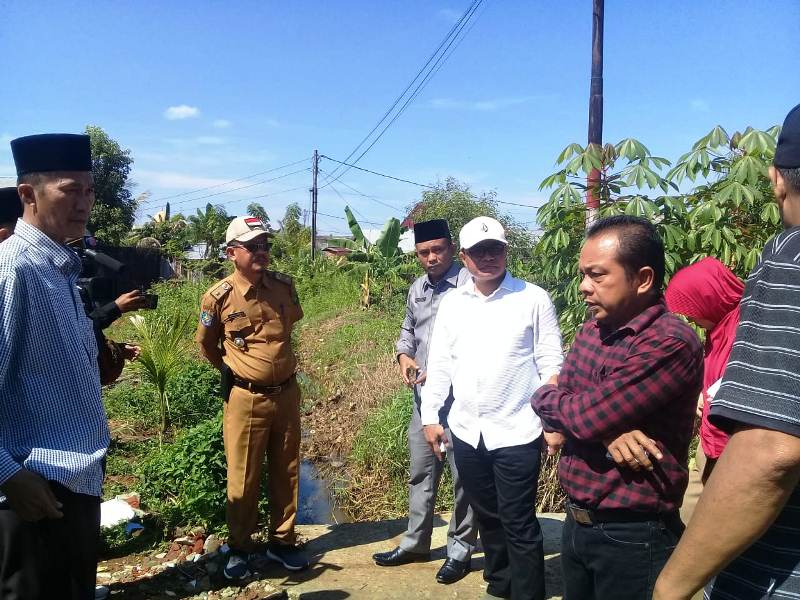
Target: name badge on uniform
[[420, 299]]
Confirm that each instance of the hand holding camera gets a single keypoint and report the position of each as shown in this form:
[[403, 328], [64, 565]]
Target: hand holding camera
[[135, 300]]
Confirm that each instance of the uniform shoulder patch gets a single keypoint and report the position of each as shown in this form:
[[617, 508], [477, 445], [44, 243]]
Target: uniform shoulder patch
[[221, 290], [206, 318]]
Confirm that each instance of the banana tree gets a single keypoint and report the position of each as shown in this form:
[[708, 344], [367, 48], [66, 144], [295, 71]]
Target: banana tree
[[382, 262]]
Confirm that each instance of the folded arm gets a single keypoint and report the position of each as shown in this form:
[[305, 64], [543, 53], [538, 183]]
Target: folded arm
[[651, 377]]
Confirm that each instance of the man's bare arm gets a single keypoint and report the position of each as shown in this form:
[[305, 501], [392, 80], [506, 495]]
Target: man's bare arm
[[749, 487]]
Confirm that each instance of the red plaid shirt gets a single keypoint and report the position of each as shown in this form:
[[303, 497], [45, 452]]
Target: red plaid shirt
[[645, 375]]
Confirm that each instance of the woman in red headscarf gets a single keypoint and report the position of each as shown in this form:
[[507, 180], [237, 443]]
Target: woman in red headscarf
[[708, 294]]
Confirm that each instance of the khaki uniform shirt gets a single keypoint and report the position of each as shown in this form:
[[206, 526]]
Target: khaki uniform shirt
[[253, 324]]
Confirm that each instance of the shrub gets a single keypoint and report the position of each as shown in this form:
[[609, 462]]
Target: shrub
[[194, 394], [133, 401], [184, 482]]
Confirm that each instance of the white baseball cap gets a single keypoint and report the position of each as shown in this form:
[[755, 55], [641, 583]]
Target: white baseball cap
[[244, 229], [479, 230]]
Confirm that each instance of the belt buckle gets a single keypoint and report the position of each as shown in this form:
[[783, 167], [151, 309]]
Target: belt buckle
[[581, 515]]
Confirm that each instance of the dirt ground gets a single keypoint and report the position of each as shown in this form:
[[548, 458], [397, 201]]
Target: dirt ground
[[342, 567]]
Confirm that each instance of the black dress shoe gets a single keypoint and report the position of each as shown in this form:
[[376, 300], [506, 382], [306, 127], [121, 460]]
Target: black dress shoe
[[452, 570], [397, 557]]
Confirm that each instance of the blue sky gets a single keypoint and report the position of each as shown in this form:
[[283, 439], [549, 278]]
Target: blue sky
[[206, 92]]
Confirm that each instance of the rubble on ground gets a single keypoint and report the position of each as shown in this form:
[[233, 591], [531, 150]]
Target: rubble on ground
[[190, 568]]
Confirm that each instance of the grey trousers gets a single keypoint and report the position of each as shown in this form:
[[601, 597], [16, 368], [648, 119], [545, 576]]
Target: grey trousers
[[425, 474]]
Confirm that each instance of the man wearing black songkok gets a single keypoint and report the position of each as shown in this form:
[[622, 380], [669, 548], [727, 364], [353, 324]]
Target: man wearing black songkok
[[745, 531], [435, 252], [53, 428]]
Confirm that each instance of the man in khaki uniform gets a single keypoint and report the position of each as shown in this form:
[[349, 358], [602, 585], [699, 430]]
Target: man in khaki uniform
[[245, 327]]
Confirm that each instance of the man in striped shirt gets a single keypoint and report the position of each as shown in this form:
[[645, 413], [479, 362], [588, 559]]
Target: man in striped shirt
[[53, 429], [746, 527]]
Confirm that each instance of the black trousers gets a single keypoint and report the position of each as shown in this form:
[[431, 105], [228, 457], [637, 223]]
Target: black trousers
[[501, 487], [51, 558], [615, 561]]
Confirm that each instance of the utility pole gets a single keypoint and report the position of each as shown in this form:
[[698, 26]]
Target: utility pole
[[314, 172], [595, 109]]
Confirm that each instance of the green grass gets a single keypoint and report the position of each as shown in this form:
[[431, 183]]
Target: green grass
[[382, 447], [325, 295]]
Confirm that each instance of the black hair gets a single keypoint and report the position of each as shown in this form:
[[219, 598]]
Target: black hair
[[30, 178], [792, 179], [639, 245]]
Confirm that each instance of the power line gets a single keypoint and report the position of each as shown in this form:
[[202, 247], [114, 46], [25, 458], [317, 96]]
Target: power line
[[211, 187], [408, 87], [345, 219], [423, 185], [244, 187], [437, 58], [516, 204], [375, 198], [375, 173], [294, 189], [359, 213], [433, 71], [302, 187]]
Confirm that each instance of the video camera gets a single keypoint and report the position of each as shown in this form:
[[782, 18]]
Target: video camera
[[102, 277]]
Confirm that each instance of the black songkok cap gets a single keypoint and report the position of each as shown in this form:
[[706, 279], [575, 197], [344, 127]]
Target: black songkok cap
[[431, 230], [52, 152], [787, 153], [10, 205]]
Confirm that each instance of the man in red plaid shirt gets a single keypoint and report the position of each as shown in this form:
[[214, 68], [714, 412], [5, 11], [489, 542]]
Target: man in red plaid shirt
[[623, 409]]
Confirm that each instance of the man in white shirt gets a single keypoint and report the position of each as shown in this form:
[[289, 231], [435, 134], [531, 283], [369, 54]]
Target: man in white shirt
[[496, 340]]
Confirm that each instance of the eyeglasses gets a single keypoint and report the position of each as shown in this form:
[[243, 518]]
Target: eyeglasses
[[254, 247], [491, 250]]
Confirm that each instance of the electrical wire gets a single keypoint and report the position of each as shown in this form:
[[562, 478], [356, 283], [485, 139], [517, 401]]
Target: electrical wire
[[376, 173], [375, 198], [244, 187], [438, 58], [435, 69], [211, 187], [353, 208], [345, 219]]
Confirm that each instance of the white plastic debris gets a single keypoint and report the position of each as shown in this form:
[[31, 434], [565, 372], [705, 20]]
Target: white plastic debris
[[115, 511]]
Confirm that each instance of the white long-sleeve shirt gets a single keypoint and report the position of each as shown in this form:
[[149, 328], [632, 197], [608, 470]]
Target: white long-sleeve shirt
[[495, 351]]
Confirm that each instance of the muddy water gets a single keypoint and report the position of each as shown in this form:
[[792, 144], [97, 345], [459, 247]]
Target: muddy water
[[315, 503]]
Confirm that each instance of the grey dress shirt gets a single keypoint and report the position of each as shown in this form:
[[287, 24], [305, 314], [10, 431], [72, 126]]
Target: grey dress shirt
[[421, 308]]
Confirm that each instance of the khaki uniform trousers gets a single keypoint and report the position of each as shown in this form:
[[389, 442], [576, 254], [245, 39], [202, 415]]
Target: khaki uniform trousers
[[255, 426]]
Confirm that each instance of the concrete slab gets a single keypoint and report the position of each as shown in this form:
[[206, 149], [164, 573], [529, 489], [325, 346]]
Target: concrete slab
[[342, 566]]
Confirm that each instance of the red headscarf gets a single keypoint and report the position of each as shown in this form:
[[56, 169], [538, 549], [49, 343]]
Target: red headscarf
[[709, 290]]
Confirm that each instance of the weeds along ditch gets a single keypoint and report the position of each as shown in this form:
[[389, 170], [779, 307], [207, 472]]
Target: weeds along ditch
[[355, 412]]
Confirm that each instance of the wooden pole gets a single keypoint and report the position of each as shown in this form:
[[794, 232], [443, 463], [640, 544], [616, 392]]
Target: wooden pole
[[595, 108], [314, 173]]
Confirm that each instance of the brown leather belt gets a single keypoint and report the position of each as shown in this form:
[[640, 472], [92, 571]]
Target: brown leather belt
[[267, 390], [588, 516]]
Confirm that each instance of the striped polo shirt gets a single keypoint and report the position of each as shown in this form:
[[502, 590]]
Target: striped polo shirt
[[761, 387]]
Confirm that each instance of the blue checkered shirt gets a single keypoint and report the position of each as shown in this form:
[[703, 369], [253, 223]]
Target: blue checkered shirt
[[52, 419]]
